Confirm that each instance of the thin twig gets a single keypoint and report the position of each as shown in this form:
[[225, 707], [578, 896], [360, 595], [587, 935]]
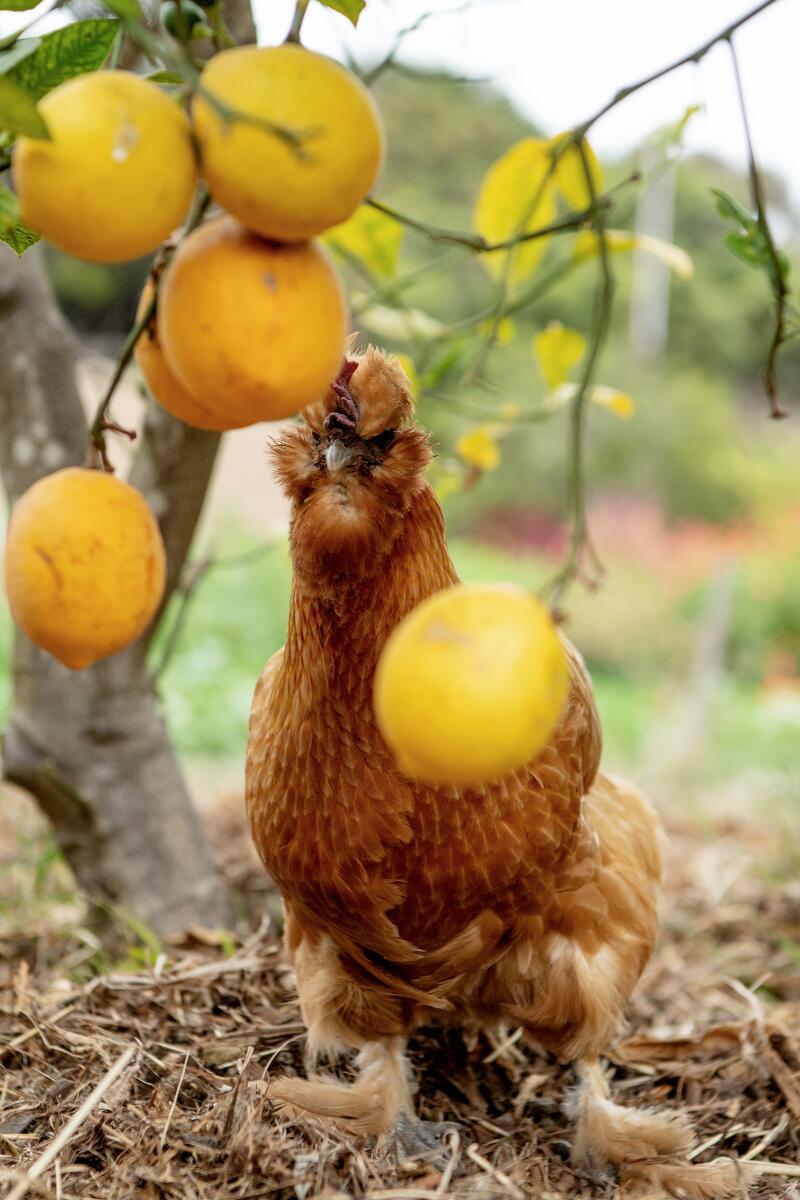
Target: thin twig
[[101, 422], [193, 575], [495, 1172], [390, 59], [780, 290], [479, 244], [580, 541], [174, 1104], [76, 1120], [694, 56]]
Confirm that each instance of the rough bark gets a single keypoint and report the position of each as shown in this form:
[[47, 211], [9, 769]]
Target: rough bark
[[91, 746]]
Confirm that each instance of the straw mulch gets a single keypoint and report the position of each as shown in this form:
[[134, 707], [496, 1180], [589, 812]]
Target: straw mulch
[[155, 1083]]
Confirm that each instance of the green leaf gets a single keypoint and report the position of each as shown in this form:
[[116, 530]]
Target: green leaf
[[63, 54], [17, 5], [732, 210], [20, 49], [18, 111], [750, 249], [9, 208], [168, 78], [352, 9], [20, 238], [12, 231], [127, 9]]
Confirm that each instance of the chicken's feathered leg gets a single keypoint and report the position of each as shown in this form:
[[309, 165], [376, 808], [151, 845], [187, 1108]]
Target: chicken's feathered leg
[[608, 1133], [374, 1104]]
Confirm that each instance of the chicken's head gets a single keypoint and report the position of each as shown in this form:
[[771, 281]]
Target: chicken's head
[[352, 469]]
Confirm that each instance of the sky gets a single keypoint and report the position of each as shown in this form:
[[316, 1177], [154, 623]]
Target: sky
[[560, 60]]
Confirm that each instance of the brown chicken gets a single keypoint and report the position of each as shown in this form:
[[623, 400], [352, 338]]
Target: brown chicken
[[529, 901]]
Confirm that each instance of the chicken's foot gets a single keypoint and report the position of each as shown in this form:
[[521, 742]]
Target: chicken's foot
[[608, 1133], [411, 1137]]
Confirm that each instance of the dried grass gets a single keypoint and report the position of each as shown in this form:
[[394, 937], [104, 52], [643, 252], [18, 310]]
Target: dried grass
[[155, 1083]]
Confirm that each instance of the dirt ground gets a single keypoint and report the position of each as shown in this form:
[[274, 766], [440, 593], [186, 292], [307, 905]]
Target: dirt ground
[[152, 1078]]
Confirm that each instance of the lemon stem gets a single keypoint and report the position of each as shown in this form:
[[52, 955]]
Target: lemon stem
[[297, 21]]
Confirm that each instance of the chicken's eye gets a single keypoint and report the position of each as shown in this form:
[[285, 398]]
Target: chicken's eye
[[383, 441]]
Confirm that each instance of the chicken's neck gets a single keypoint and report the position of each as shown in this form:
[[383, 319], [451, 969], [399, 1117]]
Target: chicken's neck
[[340, 627]]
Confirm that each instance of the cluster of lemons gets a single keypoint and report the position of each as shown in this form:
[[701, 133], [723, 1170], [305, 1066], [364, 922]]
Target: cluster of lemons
[[251, 318], [250, 325]]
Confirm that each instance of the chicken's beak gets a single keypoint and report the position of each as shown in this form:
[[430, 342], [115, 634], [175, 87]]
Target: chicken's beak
[[338, 455]]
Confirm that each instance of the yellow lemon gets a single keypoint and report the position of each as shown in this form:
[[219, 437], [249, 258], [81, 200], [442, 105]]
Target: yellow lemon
[[255, 330], [84, 565], [119, 173], [277, 189], [470, 685], [162, 382]]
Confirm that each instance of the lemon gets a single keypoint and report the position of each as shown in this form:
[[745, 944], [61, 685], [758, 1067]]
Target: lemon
[[470, 685], [119, 173], [279, 190], [162, 382], [254, 330], [84, 565]]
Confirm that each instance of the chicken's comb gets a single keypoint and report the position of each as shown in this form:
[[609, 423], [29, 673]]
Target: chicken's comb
[[343, 421]]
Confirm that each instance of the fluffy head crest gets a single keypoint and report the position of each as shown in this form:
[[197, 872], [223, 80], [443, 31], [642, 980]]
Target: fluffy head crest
[[380, 389]]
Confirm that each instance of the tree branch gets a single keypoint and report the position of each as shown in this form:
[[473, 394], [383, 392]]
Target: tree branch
[[478, 244], [777, 274], [694, 56], [580, 541]]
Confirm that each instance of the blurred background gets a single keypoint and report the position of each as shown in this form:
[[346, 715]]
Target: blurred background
[[693, 636]]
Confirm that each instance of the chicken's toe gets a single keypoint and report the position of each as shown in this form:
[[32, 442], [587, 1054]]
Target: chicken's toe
[[413, 1138]]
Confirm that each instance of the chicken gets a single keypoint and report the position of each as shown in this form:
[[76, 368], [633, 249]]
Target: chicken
[[529, 901]]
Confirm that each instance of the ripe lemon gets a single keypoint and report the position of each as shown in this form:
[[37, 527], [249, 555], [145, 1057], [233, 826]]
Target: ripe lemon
[[161, 381], [255, 330], [470, 685], [84, 565], [260, 178], [119, 173]]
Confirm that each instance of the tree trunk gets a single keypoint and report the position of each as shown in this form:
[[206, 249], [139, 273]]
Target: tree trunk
[[91, 746]]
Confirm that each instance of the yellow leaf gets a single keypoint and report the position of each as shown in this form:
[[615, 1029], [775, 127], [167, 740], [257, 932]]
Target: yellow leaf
[[479, 448], [616, 401], [411, 373], [622, 241], [620, 403], [571, 175], [517, 196], [371, 236], [503, 332], [557, 350]]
